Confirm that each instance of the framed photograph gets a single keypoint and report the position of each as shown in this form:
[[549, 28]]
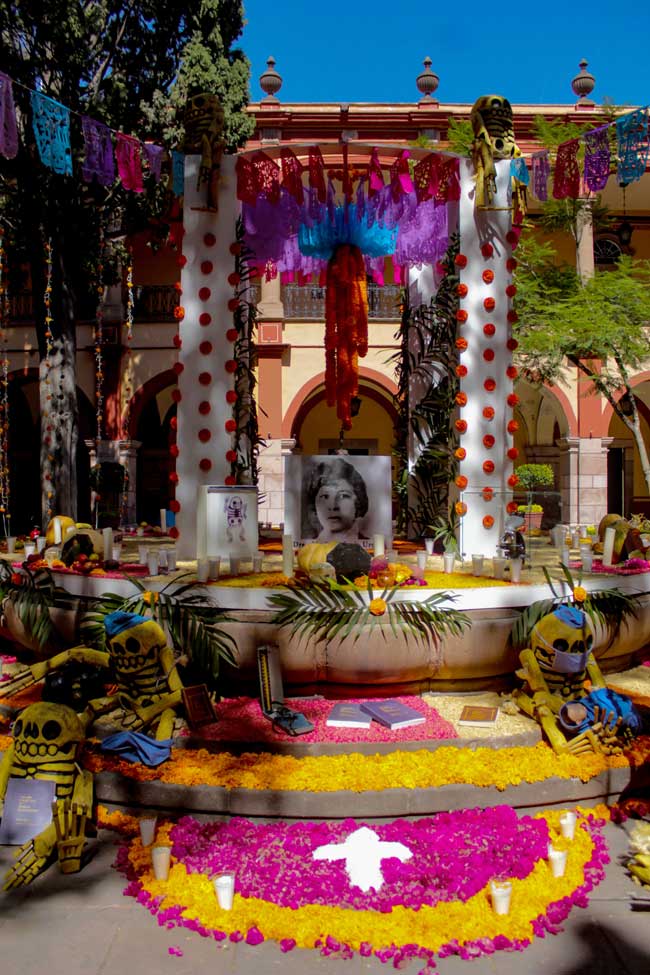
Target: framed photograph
[[198, 706], [226, 521], [337, 498]]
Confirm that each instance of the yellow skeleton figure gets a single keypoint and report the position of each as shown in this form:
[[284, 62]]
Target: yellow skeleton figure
[[142, 665], [494, 138], [203, 133], [554, 670], [45, 745]]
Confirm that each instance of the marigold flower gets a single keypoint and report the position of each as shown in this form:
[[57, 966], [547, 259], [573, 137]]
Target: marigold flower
[[579, 594], [460, 453], [461, 482], [488, 441], [179, 313], [488, 521], [461, 371], [460, 508], [488, 355], [513, 426], [488, 493], [461, 290], [489, 329], [488, 413], [488, 466], [461, 426], [461, 399], [490, 384], [488, 276], [512, 399], [487, 250], [377, 607], [460, 260], [461, 315], [489, 304], [461, 344], [511, 507], [513, 480]]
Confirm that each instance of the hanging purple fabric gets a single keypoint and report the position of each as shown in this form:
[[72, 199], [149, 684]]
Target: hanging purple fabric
[[541, 173], [99, 162], [51, 124], [632, 137], [154, 157], [129, 163], [8, 127], [597, 158]]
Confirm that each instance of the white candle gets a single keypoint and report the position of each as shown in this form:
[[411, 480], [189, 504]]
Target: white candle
[[378, 544], [287, 555], [148, 829], [224, 887], [568, 825], [163, 519], [161, 861], [557, 860], [56, 525], [422, 560], [500, 894], [152, 562], [108, 543], [515, 570], [608, 545]]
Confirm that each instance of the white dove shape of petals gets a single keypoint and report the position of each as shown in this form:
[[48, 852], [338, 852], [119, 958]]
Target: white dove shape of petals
[[363, 852]]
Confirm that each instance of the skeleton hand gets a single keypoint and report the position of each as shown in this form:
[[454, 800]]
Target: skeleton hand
[[133, 718], [31, 859], [24, 678]]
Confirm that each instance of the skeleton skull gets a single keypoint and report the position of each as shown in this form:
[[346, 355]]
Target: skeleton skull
[[492, 119], [134, 642], [203, 118], [46, 733], [561, 642]]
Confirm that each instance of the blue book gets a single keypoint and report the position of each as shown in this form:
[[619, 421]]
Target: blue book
[[393, 714], [344, 714]]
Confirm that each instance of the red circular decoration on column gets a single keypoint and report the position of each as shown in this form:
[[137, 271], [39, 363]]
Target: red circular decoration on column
[[461, 290], [488, 355], [205, 464], [209, 240], [207, 267], [173, 532], [512, 399], [461, 315], [234, 279], [229, 479], [489, 304], [204, 435], [231, 334], [178, 368], [204, 407], [512, 316], [511, 290], [513, 238], [511, 264], [230, 366], [511, 507], [179, 313], [489, 329], [513, 453], [461, 399], [461, 482], [205, 378], [205, 348], [175, 506], [460, 260], [205, 318], [488, 493], [231, 396], [488, 466], [230, 426], [177, 340], [461, 426], [233, 304], [488, 441], [488, 521], [488, 412], [460, 453], [488, 276], [512, 344], [513, 426], [512, 372], [181, 260], [461, 371], [235, 248], [513, 480], [487, 250], [461, 344], [231, 456], [173, 423], [177, 396], [490, 384], [204, 293], [174, 451], [173, 477]]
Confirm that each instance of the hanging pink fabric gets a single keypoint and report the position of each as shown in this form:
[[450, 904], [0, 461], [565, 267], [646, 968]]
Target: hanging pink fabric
[[316, 173], [375, 175], [267, 176], [566, 179], [246, 181], [292, 175], [541, 173], [129, 163], [400, 177], [426, 178], [154, 156], [8, 127]]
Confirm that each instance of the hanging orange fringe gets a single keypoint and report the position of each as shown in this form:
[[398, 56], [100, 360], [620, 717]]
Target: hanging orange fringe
[[346, 328]]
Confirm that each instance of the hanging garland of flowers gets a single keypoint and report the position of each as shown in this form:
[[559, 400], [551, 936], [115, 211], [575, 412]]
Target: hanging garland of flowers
[[5, 491], [346, 328], [47, 457], [244, 425], [98, 339], [128, 373], [427, 335]]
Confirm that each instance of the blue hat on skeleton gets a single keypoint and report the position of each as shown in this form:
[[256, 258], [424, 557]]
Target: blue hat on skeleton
[[119, 621]]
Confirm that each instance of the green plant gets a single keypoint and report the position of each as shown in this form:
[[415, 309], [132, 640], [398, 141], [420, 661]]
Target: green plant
[[529, 509], [533, 476], [445, 530], [608, 608], [326, 611]]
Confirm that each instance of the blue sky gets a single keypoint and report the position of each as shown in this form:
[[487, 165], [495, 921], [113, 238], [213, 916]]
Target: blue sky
[[372, 52]]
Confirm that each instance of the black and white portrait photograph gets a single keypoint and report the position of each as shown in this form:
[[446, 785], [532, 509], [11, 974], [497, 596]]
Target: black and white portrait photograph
[[337, 498]]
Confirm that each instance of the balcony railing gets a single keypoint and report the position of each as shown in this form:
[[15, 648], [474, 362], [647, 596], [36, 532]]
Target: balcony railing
[[307, 303], [155, 303], [21, 307]]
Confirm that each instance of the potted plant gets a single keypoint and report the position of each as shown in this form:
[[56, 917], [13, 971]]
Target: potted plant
[[532, 477], [444, 532]]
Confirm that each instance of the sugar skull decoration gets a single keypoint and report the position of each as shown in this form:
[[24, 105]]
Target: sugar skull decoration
[[235, 509], [204, 119], [45, 746], [494, 138]]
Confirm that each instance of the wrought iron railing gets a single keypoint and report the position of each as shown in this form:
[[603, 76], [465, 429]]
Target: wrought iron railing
[[307, 302], [155, 303]]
